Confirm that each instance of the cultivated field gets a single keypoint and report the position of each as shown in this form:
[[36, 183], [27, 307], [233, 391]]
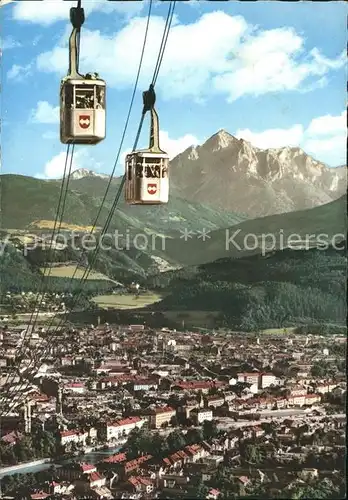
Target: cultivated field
[[68, 271], [49, 224], [279, 331], [126, 301]]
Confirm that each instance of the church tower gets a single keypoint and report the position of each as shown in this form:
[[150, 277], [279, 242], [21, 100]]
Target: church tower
[[59, 401], [27, 417]]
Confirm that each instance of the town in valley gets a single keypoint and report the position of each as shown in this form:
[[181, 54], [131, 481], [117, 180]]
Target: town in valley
[[173, 250], [129, 412]]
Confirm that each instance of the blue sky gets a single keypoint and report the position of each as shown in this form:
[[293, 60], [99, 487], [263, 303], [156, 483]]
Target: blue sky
[[273, 73]]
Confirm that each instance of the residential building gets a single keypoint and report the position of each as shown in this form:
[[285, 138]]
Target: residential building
[[161, 415], [121, 428], [200, 415], [145, 385], [249, 378], [267, 379]]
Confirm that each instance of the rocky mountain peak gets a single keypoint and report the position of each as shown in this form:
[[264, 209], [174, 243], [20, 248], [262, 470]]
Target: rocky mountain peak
[[193, 153], [220, 140], [233, 174], [80, 173]]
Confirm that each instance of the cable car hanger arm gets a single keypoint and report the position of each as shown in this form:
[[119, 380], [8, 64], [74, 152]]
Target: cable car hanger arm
[[149, 100], [77, 18]]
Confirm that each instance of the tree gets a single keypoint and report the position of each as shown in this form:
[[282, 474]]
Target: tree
[[210, 429], [315, 489], [21, 452], [194, 436], [239, 387], [189, 422], [319, 369], [90, 383], [7, 484], [199, 491], [174, 421], [74, 447], [127, 408], [222, 477], [213, 391], [269, 428], [174, 400], [159, 446], [142, 442], [176, 440], [252, 453], [230, 488]]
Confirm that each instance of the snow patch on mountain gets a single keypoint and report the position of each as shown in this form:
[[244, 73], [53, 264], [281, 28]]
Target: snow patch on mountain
[[84, 172]]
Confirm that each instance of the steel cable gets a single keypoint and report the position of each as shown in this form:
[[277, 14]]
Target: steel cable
[[85, 276], [119, 192]]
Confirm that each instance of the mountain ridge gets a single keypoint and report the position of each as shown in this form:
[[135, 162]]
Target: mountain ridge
[[221, 139], [329, 220], [39, 200], [287, 288], [202, 275], [223, 175], [230, 172], [80, 173]]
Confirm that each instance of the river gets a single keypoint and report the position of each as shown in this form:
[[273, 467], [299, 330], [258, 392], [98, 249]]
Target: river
[[91, 458]]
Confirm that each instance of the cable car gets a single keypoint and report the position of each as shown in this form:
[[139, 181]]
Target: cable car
[[147, 171], [82, 98]]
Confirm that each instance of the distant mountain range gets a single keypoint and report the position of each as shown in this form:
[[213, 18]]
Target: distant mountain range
[[231, 173], [304, 229], [80, 173], [27, 200], [248, 288], [240, 239], [224, 173], [223, 187]]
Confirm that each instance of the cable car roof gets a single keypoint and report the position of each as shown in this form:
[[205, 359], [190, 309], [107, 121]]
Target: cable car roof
[[149, 154]]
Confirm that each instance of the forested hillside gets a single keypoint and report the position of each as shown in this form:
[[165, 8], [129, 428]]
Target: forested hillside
[[39, 200], [286, 288]]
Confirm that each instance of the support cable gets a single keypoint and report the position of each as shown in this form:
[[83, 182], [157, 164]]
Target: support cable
[[47, 267], [77, 19], [119, 192]]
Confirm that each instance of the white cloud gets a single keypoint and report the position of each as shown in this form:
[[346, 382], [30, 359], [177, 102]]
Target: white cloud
[[49, 134], [273, 61], [187, 67], [328, 124], [10, 43], [236, 59], [325, 138], [54, 168], [48, 12], [4, 2], [171, 146], [175, 146], [45, 113], [273, 138], [19, 73], [327, 148]]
